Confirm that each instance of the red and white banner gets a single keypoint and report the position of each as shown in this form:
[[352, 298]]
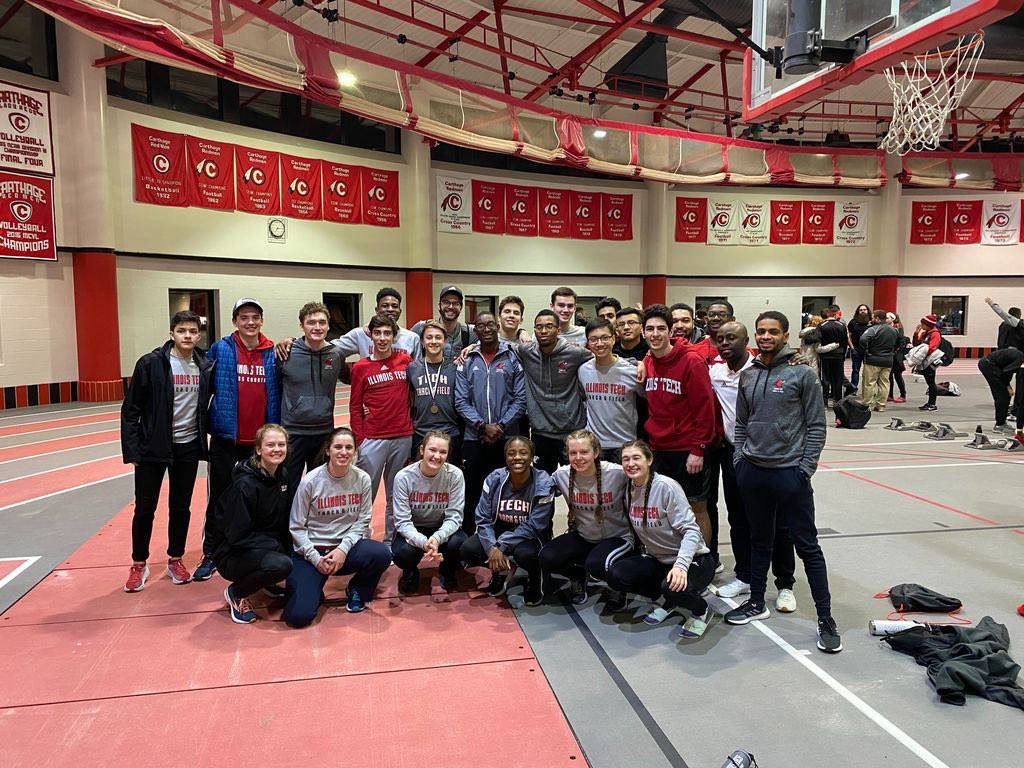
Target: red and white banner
[[851, 224], [520, 210], [1000, 223], [341, 193], [159, 166], [380, 197], [256, 181], [488, 207], [927, 222], [691, 220], [754, 219], [27, 229], [723, 223], [785, 225], [616, 216], [211, 173], [26, 137], [818, 222], [454, 205], [963, 222], [555, 213], [300, 188], [586, 215]]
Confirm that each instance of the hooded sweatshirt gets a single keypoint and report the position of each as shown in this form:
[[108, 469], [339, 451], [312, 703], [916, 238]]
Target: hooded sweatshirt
[[308, 380], [680, 401], [429, 503], [583, 502], [330, 512], [379, 401], [507, 516], [780, 415], [253, 512], [664, 522], [554, 395]]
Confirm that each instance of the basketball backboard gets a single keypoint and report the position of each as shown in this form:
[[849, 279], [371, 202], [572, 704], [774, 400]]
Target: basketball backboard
[[896, 30]]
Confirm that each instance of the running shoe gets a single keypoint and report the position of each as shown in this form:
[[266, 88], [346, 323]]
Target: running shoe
[[409, 582], [205, 570], [497, 586], [747, 612], [355, 603], [900, 399], [696, 626], [828, 636], [928, 407], [577, 592], [614, 602], [275, 591], [177, 571], [137, 576], [449, 581], [533, 595], [786, 601], [241, 610], [733, 588]]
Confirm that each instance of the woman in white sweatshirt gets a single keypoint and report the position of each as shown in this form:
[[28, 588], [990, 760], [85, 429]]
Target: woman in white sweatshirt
[[676, 565], [329, 519]]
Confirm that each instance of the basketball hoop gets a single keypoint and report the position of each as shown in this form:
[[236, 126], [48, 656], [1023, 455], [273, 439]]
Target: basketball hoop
[[926, 91]]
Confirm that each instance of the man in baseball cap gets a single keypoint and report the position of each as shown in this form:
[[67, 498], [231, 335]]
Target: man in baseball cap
[[457, 334]]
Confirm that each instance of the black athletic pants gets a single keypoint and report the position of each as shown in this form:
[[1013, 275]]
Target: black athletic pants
[[526, 555], [999, 383], [149, 476], [643, 575], [896, 382], [771, 493], [929, 379], [224, 454], [479, 460], [407, 556], [832, 376], [251, 570], [550, 452], [572, 556]]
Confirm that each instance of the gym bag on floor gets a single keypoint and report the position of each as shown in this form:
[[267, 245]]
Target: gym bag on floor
[[851, 413], [913, 598]]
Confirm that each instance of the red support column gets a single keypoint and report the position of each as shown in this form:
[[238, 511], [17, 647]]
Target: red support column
[[99, 347], [419, 296], [885, 293], [655, 289]]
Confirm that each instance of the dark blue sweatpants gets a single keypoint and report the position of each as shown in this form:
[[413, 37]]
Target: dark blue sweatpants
[[304, 588]]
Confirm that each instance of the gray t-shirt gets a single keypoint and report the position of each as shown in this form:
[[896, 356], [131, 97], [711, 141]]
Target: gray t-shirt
[[611, 393], [438, 390], [428, 502], [185, 377], [357, 341], [584, 502], [575, 334]]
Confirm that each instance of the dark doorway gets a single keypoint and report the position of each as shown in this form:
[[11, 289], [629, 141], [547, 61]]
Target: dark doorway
[[344, 313], [202, 302]]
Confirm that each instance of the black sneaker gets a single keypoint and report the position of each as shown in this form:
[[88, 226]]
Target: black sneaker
[[275, 591], [828, 636], [205, 570], [449, 581], [409, 581], [614, 602], [577, 592], [533, 595], [748, 612], [928, 407], [497, 586]]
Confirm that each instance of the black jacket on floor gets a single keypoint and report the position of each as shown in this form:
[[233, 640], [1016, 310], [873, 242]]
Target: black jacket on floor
[[253, 512], [962, 660], [147, 413]]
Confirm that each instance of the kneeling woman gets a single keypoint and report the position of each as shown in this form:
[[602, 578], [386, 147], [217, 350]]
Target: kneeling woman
[[253, 514], [429, 496], [676, 565], [329, 518], [513, 520], [599, 532]]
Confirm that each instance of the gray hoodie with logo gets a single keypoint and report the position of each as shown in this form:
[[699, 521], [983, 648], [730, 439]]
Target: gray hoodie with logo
[[308, 380], [555, 402], [428, 502]]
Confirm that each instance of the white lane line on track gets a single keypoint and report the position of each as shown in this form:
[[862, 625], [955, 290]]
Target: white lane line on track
[[922, 442], [64, 426], [49, 439], [28, 562], [50, 453], [921, 466], [53, 414], [59, 469], [64, 490]]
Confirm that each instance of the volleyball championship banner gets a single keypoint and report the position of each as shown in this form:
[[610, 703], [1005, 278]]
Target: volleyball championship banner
[[342, 201], [585, 213], [851, 225], [27, 229], [555, 213], [723, 223], [1000, 223], [785, 224], [380, 197], [300, 188], [616, 216], [256, 181], [520, 210], [818, 222], [488, 207], [454, 205], [754, 219], [159, 166], [928, 222], [211, 173], [26, 134], [963, 222], [691, 219]]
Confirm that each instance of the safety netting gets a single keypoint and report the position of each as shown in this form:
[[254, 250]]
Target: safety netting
[[963, 170], [249, 42]]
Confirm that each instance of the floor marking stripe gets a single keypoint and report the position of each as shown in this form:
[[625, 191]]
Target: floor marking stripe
[[51, 439], [920, 466], [56, 413], [61, 468], [914, 496], [60, 450], [15, 430], [29, 561], [65, 490]]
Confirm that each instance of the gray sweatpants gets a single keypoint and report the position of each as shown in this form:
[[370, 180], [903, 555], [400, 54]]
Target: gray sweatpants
[[384, 457]]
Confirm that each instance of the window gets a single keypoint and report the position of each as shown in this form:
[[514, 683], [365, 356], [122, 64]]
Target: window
[[478, 305], [814, 305], [194, 93], [343, 309], [202, 303], [29, 40], [127, 79], [952, 314]]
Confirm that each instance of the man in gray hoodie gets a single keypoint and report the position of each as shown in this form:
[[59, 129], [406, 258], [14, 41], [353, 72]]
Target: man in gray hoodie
[[780, 433]]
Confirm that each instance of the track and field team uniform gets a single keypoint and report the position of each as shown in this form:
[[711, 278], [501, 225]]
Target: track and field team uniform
[[428, 507], [330, 513], [163, 429], [594, 541], [611, 401], [380, 418], [433, 405], [461, 337], [309, 379], [358, 342]]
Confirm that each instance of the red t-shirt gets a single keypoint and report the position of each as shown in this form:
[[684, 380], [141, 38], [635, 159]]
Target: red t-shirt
[[379, 402], [252, 388], [680, 401], [707, 351]]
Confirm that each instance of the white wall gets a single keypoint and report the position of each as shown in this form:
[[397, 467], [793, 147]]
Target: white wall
[[915, 301]]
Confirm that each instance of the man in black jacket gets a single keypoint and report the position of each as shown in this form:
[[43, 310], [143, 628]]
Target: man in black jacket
[[833, 330], [878, 349], [999, 368], [163, 429]]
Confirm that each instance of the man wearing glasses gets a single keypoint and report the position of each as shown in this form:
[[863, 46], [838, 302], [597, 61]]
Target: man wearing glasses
[[629, 328], [612, 392], [719, 313], [457, 334]]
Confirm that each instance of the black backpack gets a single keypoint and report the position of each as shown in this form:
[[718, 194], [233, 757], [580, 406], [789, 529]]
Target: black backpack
[[851, 413], [947, 351]]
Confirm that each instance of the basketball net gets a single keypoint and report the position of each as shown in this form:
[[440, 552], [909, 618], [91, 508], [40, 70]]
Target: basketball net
[[925, 91]]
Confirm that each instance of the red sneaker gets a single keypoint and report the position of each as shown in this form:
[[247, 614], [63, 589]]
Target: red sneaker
[[1020, 609], [900, 400], [177, 571], [137, 578]]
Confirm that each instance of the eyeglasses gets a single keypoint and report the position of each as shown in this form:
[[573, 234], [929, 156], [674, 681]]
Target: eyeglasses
[[722, 315], [600, 339], [488, 324], [451, 303], [628, 323]]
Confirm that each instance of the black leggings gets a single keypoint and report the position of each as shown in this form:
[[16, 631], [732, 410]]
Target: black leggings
[[525, 554], [251, 570], [407, 556], [643, 575], [999, 383], [929, 378], [896, 377], [573, 556]]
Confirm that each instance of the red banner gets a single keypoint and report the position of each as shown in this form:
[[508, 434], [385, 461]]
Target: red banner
[[341, 196], [26, 218], [927, 222], [256, 181], [555, 213], [616, 216], [521, 210], [159, 160], [586, 215], [380, 197], [300, 188], [211, 173], [488, 207], [818, 222], [963, 222], [691, 220], [785, 226]]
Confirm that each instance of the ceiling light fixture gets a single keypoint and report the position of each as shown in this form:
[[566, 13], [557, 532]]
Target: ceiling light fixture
[[962, 175], [347, 79], [599, 133]]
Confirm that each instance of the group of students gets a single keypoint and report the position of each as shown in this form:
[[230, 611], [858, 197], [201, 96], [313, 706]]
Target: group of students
[[632, 418]]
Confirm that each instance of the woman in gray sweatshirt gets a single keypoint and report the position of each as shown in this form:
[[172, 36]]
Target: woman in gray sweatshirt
[[329, 521], [676, 564], [599, 532]]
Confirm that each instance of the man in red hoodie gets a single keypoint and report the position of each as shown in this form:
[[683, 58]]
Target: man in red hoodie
[[379, 412], [681, 424]]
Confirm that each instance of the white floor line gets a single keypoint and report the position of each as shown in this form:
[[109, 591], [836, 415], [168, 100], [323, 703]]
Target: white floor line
[[65, 490], [802, 656], [921, 442], [48, 439], [29, 561], [61, 468], [61, 450], [64, 426], [921, 466], [57, 412]]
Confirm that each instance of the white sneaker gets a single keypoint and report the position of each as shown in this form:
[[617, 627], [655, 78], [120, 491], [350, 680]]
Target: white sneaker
[[733, 588], [786, 601]]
